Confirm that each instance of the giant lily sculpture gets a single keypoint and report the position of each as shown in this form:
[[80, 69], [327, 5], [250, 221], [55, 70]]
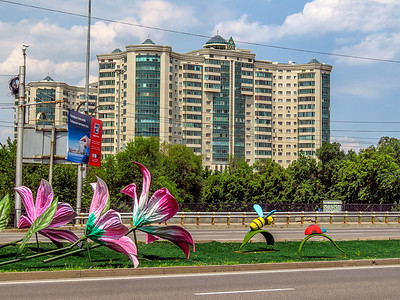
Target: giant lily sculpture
[[105, 227], [46, 215], [161, 207]]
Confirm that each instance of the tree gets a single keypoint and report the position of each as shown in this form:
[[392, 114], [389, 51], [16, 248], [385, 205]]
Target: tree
[[330, 157], [183, 168], [390, 146], [365, 178], [7, 168], [304, 183], [270, 180]]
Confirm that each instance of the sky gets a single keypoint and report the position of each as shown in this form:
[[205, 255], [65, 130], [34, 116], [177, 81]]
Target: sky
[[359, 38]]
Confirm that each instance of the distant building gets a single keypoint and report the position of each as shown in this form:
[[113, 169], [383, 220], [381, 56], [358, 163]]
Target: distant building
[[48, 101], [218, 100]]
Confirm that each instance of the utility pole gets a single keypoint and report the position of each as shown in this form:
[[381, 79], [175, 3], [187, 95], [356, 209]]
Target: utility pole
[[82, 167], [20, 136], [52, 145], [119, 72]]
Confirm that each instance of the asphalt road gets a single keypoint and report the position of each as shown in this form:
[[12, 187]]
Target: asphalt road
[[377, 282], [280, 234]]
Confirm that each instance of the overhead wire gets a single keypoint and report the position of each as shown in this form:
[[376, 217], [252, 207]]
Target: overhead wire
[[201, 35]]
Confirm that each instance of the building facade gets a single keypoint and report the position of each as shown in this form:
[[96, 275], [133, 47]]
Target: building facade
[[48, 101], [219, 101]]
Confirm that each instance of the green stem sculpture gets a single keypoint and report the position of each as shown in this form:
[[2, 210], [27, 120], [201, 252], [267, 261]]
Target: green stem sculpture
[[37, 242], [11, 243], [70, 253], [317, 234], [39, 254], [269, 238]]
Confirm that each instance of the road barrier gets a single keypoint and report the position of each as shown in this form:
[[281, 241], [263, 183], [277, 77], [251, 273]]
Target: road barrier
[[245, 218]]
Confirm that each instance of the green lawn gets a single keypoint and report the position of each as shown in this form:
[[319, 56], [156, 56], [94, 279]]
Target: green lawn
[[161, 254]]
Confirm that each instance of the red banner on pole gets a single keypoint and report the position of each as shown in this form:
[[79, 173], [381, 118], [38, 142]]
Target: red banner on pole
[[95, 143]]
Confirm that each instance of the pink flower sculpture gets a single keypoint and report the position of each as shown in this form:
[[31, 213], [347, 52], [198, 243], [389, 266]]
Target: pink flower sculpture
[[44, 198], [161, 207], [106, 228]]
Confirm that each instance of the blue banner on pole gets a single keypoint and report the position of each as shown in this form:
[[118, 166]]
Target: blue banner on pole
[[79, 128]]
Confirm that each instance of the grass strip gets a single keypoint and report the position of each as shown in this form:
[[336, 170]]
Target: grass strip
[[166, 254]]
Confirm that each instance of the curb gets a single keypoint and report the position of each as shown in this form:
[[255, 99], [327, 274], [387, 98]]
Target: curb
[[222, 226], [71, 274]]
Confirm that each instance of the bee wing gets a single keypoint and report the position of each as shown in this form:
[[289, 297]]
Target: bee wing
[[258, 210], [271, 213]]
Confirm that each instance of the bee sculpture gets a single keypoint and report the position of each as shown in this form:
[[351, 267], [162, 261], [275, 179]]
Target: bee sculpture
[[257, 225]]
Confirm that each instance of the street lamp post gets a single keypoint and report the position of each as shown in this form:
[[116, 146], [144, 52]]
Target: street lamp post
[[82, 167], [20, 136]]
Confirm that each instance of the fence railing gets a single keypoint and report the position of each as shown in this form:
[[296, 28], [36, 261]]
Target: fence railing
[[245, 218], [248, 207]]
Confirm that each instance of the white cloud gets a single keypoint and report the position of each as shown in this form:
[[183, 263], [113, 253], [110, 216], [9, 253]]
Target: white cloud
[[381, 45], [319, 17], [166, 14]]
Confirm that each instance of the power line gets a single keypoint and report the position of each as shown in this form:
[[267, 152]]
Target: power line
[[202, 35], [367, 122]]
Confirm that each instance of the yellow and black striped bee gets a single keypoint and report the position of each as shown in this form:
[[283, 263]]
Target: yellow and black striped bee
[[258, 223]]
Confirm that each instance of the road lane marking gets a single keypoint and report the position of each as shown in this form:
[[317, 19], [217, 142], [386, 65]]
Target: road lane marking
[[245, 291], [144, 277]]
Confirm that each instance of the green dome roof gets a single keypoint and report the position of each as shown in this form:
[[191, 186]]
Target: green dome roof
[[48, 78], [148, 42], [314, 61], [116, 50], [217, 39]]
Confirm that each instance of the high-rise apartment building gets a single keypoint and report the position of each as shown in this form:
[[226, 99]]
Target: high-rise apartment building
[[219, 101]]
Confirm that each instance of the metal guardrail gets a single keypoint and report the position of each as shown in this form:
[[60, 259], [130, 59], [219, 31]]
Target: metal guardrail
[[245, 218]]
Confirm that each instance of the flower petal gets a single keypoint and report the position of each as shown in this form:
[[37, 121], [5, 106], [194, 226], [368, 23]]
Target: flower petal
[[64, 214], [112, 226], [161, 207], [146, 186], [151, 238], [130, 190], [26, 197], [123, 245], [100, 197], [44, 197], [178, 235], [24, 222], [55, 235]]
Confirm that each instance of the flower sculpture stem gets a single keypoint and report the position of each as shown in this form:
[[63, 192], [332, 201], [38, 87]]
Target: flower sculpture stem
[[15, 243], [37, 242], [71, 253], [38, 255]]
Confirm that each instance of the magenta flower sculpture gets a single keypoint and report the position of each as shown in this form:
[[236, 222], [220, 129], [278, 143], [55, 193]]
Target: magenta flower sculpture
[[45, 215], [105, 226], [161, 207]]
